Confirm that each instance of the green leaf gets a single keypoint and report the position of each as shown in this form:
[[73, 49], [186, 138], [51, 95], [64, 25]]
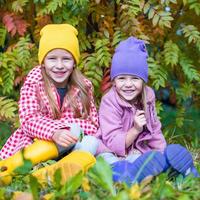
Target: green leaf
[[185, 2], [184, 92], [195, 6], [159, 107], [35, 187], [180, 116], [25, 168], [72, 184], [2, 36], [17, 6], [57, 178], [192, 33], [155, 19], [101, 173], [188, 68], [157, 73], [146, 8], [171, 53], [151, 13]]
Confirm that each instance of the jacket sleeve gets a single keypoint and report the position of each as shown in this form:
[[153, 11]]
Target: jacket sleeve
[[157, 141], [112, 134], [91, 123], [33, 122], [151, 138]]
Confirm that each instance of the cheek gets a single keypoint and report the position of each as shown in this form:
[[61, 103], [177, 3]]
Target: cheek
[[48, 66], [70, 70], [139, 87], [117, 86], [47, 69]]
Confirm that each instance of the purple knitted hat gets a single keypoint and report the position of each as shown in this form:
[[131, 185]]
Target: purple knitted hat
[[130, 58]]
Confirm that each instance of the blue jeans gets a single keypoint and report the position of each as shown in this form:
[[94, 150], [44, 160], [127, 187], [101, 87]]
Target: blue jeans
[[89, 143], [110, 158]]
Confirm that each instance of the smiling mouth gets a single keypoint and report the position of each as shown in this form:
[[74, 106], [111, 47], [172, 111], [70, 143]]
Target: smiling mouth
[[59, 73], [128, 91]]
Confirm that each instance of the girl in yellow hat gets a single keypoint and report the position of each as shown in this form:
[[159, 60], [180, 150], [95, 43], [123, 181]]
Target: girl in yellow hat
[[56, 101]]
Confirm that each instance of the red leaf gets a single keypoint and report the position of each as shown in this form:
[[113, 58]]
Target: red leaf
[[105, 87], [15, 24], [106, 82]]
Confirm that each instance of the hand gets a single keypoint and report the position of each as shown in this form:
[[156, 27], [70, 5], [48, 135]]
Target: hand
[[64, 138], [139, 120]]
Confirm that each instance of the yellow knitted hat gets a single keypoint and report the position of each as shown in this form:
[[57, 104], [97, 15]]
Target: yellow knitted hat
[[62, 36]]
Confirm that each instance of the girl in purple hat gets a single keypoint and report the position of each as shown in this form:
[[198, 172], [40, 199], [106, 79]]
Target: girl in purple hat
[[130, 133]]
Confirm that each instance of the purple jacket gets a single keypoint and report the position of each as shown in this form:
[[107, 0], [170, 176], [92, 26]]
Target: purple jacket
[[116, 118]]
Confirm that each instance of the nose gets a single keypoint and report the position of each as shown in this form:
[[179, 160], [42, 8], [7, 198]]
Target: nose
[[129, 83], [59, 64]]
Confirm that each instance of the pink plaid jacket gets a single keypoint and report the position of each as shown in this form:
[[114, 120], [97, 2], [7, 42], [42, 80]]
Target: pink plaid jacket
[[36, 116]]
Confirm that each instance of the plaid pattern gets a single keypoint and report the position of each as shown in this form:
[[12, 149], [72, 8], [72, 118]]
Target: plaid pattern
[[36, 116]]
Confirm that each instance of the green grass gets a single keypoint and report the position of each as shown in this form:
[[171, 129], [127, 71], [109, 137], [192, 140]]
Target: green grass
[[5, 131], [98, 184], [99, 178]]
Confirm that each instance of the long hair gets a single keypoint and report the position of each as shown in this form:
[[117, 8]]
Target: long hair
[[141, 100], [77, 80], [144, 98]]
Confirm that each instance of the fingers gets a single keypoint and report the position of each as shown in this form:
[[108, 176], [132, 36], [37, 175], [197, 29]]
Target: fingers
[[139, 112], [64, 138], [64, 143], [71, 138], [67, 139], [140, 119], [140, 115]]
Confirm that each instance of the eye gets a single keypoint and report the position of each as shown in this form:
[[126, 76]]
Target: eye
[[51, 58], [121, 78], [135, 78], [66, 58]]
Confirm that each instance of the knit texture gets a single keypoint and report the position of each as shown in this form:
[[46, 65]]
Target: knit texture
[[62, 36], [130, 58]]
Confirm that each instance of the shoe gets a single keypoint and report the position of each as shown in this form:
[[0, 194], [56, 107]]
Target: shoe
[[121, 171], [38, 151], [70, 165], [149, 164], [180, 159]]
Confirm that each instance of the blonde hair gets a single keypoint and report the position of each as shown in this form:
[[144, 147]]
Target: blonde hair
[[141, 99], [77, 80], [144, 98]]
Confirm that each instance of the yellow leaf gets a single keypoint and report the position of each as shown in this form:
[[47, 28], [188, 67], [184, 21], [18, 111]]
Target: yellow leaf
[[146, 8], [85, 185], [151, 13], [22, 196], [135, 192], [155, 19]]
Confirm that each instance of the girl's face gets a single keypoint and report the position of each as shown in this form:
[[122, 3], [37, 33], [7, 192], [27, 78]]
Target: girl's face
[[59, 65], [128, 87]]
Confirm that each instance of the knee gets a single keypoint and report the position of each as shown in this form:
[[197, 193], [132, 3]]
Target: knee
[[89, 143], [110, 158], [91, 140]]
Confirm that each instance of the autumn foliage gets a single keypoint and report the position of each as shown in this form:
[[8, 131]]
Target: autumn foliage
[[169, 27]]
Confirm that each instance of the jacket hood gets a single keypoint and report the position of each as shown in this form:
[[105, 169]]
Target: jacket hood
[[34, 75], [150, 96]]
